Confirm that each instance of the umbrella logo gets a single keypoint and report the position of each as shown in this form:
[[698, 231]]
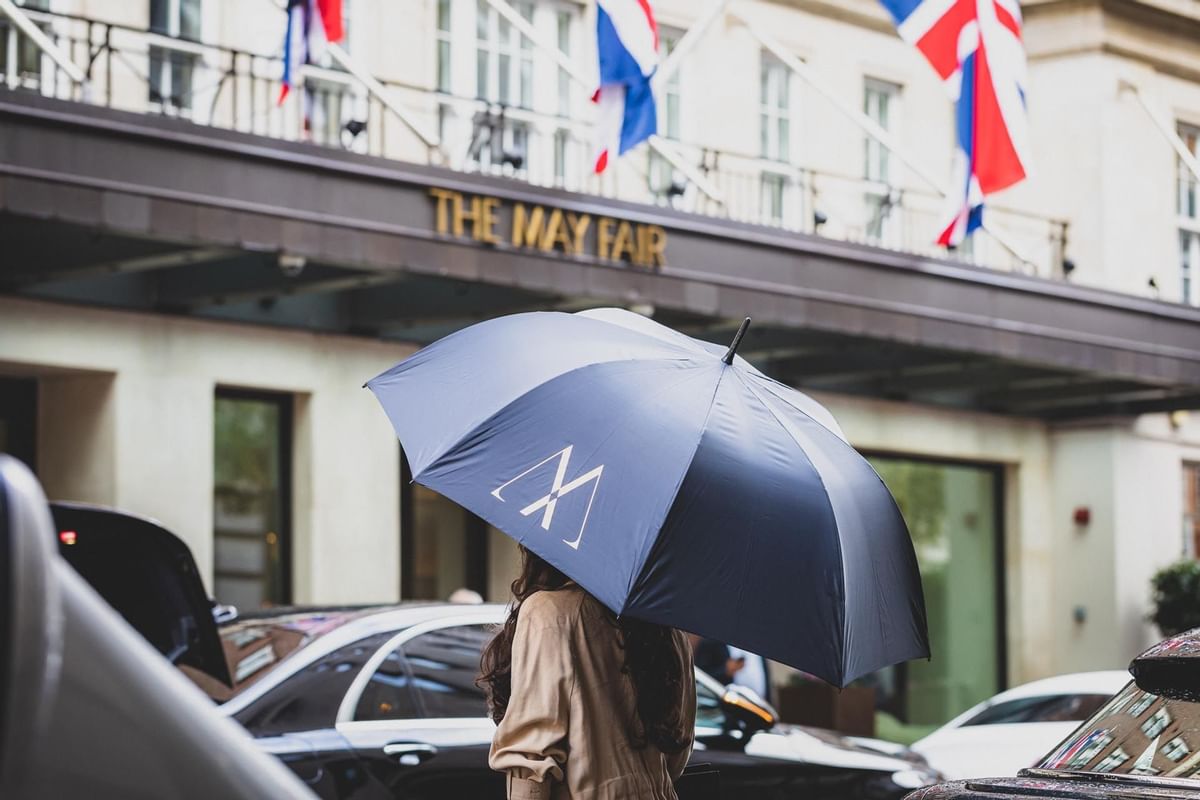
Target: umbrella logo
[[548, 502]]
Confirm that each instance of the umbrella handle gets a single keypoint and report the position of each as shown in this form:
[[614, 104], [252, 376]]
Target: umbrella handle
[[737, 339]]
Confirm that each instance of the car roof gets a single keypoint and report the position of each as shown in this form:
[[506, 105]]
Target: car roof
[[1098, 682], [326, 630]]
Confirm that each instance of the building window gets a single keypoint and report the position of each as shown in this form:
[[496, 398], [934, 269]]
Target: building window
[[564, 22], [443, 45], [1191, 508], [664, 183], [774, 110], [879, 101], [252, 499], [20, 58], [18, 419], [503, 57], [953, 512], [774, 188], [443, 547], [172, 68], [1188, 214]]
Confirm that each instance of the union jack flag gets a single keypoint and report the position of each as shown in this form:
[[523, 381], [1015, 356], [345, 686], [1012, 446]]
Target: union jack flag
[[975, 47]]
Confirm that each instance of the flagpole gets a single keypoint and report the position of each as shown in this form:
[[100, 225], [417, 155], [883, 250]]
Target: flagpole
[[685, 44], [656, 143], [1166, 129], [870, 126], [11, 10], [373, 86]]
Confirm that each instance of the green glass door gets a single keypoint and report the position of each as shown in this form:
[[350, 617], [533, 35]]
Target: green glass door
[[953, 515]]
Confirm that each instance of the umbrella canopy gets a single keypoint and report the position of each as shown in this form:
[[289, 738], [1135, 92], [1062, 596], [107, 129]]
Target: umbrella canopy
[[669, 478]]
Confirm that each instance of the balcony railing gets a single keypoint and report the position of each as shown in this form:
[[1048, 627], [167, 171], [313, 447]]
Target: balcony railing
[[147, 72]]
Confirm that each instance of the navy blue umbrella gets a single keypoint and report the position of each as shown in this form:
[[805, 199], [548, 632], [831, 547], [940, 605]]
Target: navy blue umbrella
[[669, 478]]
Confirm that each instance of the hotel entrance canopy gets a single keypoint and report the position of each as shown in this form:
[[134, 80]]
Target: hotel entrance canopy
[[109, 208]]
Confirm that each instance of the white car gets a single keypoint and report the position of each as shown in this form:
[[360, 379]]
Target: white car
[[1015, 728]]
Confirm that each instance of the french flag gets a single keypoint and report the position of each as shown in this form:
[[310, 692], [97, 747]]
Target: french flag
[[311, 24], [627, 43], [976, 48]]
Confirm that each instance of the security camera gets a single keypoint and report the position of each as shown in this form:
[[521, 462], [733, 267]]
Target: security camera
[[291, 265]]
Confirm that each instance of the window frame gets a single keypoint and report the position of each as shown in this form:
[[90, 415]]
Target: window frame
[[776, 129], [518, 49], [1187, 215], [353, 696], [418, 697], [285, 404], [173, 61]]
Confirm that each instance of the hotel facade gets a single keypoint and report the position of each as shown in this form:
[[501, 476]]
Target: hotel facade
[[195, 282]]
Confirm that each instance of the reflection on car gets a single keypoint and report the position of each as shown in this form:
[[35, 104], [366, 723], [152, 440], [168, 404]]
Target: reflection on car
[[1144, 742], [1015, 728]]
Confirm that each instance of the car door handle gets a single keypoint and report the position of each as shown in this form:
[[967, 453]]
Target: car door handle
[[409, 754]]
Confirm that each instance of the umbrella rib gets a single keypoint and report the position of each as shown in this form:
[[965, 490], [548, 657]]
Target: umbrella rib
[[829, 503], [635, 577]]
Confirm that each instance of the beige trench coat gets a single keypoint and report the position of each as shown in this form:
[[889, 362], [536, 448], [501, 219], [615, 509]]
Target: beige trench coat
[[566, 732]]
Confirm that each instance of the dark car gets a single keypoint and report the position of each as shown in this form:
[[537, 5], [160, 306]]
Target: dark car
[[87, 708], [1143, 743], [381, 702]]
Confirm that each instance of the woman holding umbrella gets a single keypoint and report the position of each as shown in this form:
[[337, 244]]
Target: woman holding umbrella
[[587, 705], [677, 485]]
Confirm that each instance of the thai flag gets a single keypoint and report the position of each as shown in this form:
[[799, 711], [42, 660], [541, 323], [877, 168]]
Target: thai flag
[[311, 24], [975, 47], [627, 43]]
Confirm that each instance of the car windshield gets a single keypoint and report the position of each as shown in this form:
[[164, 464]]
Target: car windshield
[[1044, 708], [1135, 733]]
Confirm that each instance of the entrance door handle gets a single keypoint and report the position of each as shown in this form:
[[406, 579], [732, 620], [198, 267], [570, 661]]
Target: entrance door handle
[[409, 754]]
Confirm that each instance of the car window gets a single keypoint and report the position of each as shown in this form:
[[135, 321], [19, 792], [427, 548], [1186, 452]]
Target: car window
[[432, 675], [1135, 733], [710, 714], [1046, 708], [309, 700]]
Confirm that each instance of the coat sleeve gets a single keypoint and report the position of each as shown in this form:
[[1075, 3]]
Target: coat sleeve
[[678, 761], [530, 744]]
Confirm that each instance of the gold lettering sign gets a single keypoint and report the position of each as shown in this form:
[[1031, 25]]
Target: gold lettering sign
[[547, 229]]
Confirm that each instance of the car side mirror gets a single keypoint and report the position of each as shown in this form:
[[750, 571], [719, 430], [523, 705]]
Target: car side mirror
[[746, 713], [1170, 668]]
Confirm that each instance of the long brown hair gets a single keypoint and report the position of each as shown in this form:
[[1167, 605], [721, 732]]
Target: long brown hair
[[651, 663]]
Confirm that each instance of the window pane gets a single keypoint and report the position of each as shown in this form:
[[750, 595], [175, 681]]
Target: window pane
[[390, 693], [309, 700], [443, 16], [526, 82], [249, 497], [1053, 708], [481, 73], [189, 19], [159, 16], [482, 17], [781, 147], [443, 66], [503, 73], [444, 666]]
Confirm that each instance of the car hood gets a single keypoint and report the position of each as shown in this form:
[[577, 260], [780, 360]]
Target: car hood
[[818, 746], [148, 575]]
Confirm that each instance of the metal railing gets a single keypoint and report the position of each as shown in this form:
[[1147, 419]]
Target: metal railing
[[140, 70]]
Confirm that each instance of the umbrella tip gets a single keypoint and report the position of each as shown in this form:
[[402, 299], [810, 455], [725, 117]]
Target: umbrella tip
[[737, 339]]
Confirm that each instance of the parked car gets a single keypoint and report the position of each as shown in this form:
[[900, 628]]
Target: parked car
[[87, 708], [381, 702], [1143, 743], [1013, 729]]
